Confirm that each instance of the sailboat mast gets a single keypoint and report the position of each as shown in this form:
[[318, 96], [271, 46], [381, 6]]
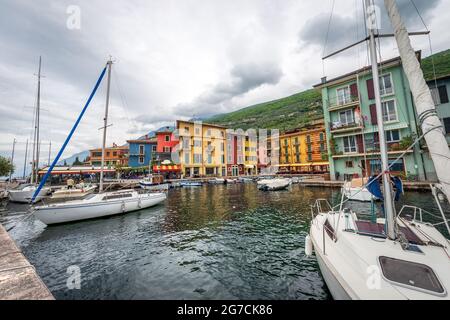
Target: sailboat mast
[[12, 159], [38, 113], [25, 160], [388, 203], [430, 123], [105, 124]]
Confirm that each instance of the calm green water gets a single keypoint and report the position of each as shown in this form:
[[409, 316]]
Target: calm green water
[[212, 242]]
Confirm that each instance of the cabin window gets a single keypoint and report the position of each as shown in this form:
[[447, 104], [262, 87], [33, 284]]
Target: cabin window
[[349, 144], [389, 111], [411, 274], [392, 136], [386, 86], [343, 95]]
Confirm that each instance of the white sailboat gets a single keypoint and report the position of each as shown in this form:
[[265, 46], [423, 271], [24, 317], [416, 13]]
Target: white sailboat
[[274, 184], [397, 257], [355, 190], [104, 203], [24, 192]]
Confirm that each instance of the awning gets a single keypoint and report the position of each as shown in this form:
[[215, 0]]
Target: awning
[[167, 168]]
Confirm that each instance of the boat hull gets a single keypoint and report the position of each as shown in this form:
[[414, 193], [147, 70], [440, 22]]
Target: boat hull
[[154, 187], [25, 195], [359, 194], [70, 212]]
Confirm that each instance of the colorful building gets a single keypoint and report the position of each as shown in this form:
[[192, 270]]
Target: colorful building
[[201, 149], [166, 142], [114, 156], [142, 152], [351, 123], [304, 150]]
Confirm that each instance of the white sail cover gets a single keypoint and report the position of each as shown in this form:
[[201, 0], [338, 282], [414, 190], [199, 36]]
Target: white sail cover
[[435, 139]]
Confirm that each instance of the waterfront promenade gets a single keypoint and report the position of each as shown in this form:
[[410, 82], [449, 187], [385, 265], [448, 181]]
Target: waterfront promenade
[[18, 278]]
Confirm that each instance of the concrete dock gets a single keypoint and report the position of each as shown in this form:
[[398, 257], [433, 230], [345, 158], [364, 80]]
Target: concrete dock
[[18, 278]]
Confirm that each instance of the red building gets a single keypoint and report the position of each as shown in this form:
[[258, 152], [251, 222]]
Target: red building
[[165, 140]]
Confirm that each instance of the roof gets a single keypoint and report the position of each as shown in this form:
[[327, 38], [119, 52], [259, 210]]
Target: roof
[[366, 69], [165, 130], [110, 148], [202, 123], [143, 141]]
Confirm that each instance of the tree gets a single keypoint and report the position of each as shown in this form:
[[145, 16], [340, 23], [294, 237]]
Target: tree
[[77, 162], [5, 166]]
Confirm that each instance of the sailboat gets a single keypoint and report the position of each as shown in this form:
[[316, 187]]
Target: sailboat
[[95, 205], [355, 190], [398, 256], [24, 192]]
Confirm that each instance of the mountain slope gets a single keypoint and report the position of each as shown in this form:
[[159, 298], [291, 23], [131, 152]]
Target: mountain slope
[[284, 114]]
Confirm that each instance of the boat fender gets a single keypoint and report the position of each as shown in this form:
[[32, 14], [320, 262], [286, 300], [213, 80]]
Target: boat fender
[[123, 207], [308, 246], [139, 203]]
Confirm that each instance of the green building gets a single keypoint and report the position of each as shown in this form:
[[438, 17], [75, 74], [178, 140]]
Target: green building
[[439, 91], [351, 124]]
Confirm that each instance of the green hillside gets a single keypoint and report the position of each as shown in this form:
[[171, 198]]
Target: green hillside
[[441, 62], [286, 113], [300, 109]]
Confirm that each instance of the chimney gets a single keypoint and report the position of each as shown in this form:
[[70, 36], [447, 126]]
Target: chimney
[[323, 80]]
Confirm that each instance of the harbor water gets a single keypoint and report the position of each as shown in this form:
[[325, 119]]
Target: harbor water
[[210, 242]]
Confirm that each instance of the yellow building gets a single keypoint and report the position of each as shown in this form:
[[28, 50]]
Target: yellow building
[[201, 149], [251, 152], [304, 151]]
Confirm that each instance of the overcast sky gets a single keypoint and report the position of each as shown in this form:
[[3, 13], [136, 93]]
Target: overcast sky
[[173, 59]]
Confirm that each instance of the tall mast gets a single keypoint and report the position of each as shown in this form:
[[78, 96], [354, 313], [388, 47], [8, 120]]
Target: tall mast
[[25, 161], [12, 159], [430, 123], [105, 124], [38, 112], [388, 203]]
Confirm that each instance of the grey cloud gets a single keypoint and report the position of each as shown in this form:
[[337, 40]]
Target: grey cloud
[[347, 29], [244, 78]]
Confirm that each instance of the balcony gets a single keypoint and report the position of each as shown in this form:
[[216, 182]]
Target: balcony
[[337, 127], [342, 103]]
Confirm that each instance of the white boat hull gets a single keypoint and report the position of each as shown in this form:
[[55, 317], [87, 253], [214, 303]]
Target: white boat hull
[[95, 208], [154, 187], [359, 194], [24, 195], [274, 184]]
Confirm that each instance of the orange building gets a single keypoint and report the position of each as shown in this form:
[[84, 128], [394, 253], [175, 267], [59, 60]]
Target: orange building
[[114, 156], [304, 150]]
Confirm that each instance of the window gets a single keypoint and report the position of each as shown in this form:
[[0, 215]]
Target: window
[[322, 147], [296, 140], [186, 130], [197, 131], [166, 149], [297, 158], [386, 85], [285, 142], [209, 158], [141, 159], [223, 159], [186, 158], [197, 143], [439, 94], [197, 158], [167, 138], [154, 148], [389, 112], [208, 132], [349, 164], [141, 149], [375, 166], [446, 125], [310, 157], [222, 146], [115, 154], [392, 136], [349, 144], [347, 117], [343, 95], [308, 139], [321, 136]]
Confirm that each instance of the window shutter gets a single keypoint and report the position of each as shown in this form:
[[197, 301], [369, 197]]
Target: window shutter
[[373, 114], [354, 90], [443, 94], [370, 89], [359, 143]]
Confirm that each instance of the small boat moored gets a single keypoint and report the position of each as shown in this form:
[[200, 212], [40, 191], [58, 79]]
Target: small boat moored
[[154, 183], [274, 184], [190, 184], [356, 190], [24, 193]]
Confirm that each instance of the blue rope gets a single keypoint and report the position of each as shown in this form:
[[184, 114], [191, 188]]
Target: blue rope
[[68, 137]]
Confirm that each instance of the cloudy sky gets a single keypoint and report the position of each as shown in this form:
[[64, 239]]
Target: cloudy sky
[[174, 59]]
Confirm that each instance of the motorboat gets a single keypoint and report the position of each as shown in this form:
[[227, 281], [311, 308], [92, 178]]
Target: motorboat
[[78, 191], [24, 193], [355, 190], [217, 181], [274, 184], [154, 183], [191, 184], [97, 206]]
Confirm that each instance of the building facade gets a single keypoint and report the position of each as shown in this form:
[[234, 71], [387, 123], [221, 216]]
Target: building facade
[[166, 143], [351, 124], [141, 152], [114, 156], [201, 149], [439, 90], [304, 151]]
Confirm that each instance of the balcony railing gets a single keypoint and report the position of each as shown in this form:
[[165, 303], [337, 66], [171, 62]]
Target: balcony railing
[[342, 102], [335, 126]]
